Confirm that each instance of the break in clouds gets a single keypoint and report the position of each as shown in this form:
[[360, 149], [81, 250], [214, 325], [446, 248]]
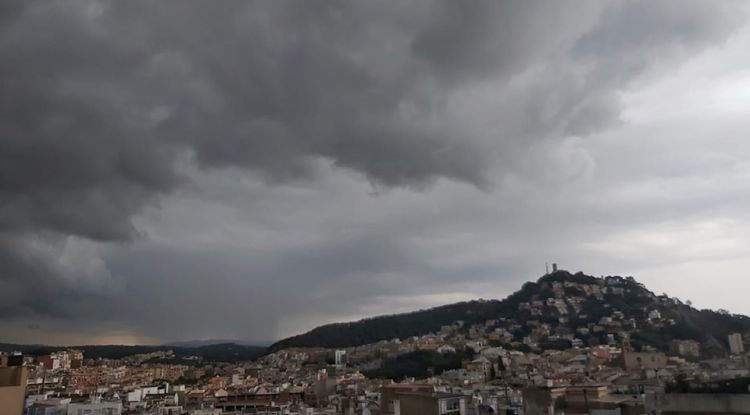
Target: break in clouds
[[250, 169]]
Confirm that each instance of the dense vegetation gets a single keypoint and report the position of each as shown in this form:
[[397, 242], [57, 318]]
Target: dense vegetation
[[419, 364], [683, 385], [420, 322], [388, 327], [708, 327], [227, 352], [401, 326]]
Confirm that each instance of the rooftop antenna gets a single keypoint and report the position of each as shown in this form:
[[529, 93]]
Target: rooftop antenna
[[44, 379]]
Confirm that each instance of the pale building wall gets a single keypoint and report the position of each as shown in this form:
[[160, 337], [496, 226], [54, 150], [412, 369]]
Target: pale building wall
[[12, 389], [736, 346]]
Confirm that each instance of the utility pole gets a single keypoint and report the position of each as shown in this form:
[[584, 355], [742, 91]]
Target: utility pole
[[586, 399], [509, 406], [44, 376]]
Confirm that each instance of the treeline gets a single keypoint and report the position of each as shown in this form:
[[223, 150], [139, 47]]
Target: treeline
[[225, 352], [681, 384], [708, 327], [419, 364], [405, 325]]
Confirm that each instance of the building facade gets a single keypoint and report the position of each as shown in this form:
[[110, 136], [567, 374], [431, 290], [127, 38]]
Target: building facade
[[12, 389], [736, 345]]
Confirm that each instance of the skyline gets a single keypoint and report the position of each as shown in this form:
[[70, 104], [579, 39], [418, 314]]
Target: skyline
[[268, 343], [251, 170]]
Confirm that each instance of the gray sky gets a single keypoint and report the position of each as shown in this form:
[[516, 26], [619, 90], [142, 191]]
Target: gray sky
[[249, 170]]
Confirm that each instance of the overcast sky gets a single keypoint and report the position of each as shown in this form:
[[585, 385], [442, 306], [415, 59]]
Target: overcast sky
[[249, 170]]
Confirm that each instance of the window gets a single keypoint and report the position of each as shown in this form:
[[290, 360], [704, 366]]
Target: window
[[453, 407]]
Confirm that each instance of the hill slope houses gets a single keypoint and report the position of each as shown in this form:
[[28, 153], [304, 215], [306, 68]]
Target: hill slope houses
[[561, 303]]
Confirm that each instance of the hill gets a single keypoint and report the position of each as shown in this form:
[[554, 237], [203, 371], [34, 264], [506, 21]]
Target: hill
[[560, 303]]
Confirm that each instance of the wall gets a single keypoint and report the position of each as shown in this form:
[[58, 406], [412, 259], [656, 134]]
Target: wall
[[418, 405], [12, 389], [646, 360], [699, 403]]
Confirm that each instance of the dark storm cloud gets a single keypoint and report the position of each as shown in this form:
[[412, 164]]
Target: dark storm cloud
[[103, 104], [250, 289], [495, 39], [39, 277], [20, 271]]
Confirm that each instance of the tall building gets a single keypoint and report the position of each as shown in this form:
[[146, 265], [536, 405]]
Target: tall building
[[340, 357], [690, 348], [736, 346]]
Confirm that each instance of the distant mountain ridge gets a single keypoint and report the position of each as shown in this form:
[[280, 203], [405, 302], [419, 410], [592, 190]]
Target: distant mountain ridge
[[222, 352], [632, 300]]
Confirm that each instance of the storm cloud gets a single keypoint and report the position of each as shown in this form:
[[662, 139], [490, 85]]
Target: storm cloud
[[258, 162]]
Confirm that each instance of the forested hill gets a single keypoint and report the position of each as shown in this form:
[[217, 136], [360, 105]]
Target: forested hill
[[371, 330], [584, 301]]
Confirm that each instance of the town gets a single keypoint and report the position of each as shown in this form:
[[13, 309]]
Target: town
[[574, 345]]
